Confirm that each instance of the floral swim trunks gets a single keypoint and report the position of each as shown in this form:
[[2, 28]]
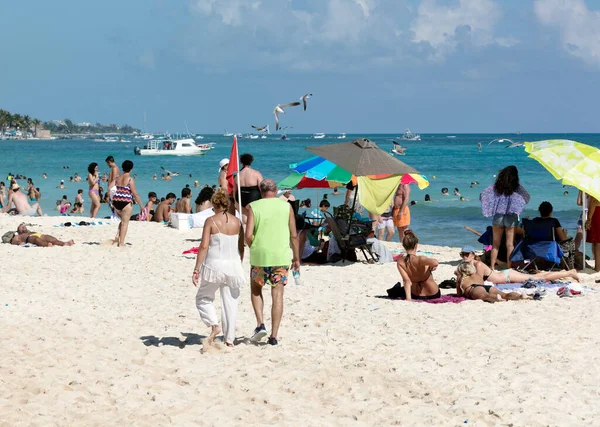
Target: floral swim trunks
[[269, 275]]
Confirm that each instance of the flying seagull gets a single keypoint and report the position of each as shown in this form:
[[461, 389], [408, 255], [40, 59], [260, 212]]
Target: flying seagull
[[398, 149], [279, 109], [304, 98], [169, 172], [261, 129]]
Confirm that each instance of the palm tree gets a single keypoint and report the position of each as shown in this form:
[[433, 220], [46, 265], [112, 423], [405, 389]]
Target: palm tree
[[36, 123], [26, 122]]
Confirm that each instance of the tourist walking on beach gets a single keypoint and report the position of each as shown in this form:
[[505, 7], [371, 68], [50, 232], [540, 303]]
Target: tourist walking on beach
[[249, 182], [504, 201], [94, 189], [416, 272], [219, 267], [592, 225], [270, 231], [125, 193], [401, 211]]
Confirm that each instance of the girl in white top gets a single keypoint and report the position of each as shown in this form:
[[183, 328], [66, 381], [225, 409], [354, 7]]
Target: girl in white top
[[219, 266]]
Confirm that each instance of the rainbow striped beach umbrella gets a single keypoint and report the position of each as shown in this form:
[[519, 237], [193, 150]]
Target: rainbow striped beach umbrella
[[318, 168]]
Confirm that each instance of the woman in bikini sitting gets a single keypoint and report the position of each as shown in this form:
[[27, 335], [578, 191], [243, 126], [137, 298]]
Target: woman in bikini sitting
[[470, 285], [416, 272], [94, 190], [511, 275]]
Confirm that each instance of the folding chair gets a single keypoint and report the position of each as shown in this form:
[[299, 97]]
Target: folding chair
[[347, 240], [539, 242]]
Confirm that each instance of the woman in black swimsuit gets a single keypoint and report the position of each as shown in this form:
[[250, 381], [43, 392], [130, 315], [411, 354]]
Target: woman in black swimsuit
[[248, 193], [416, 272], [470, 285]]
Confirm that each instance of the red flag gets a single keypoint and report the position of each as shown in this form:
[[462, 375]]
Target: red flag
[[233, 166]]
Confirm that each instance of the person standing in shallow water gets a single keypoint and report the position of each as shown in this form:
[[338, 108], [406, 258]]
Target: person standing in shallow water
[[504, 201]]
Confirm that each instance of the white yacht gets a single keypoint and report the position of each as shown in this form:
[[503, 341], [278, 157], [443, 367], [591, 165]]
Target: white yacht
[[409, 136], [175, 147], [318, 135], [227, 133], [341, 136]]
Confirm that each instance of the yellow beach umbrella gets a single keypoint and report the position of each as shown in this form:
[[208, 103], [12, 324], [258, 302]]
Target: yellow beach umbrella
[[572, 162]]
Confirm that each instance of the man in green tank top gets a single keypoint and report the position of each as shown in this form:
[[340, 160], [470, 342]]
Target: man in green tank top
[[270, 232]]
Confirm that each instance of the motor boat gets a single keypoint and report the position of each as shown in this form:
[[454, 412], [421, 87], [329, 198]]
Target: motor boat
[[318, 135], [174, 147], [341, 136], [409, 136]]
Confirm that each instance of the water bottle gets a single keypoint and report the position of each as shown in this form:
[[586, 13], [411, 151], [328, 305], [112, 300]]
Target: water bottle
[[297, 277]]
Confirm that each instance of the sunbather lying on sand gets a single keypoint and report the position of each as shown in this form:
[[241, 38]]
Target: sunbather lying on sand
[[511, 275], [470, 285], [23, 236]]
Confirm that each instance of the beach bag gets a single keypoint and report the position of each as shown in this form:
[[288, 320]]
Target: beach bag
[[397, 291]]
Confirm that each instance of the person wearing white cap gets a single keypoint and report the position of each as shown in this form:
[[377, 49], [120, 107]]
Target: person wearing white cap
[[223, 174], [20, 201]]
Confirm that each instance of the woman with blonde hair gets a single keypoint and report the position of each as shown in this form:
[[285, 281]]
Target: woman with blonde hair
[[471, 285], [416, 272], [219, 266]]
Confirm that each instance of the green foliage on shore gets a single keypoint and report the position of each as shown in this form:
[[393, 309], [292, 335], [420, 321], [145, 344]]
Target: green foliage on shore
[[27, 123]]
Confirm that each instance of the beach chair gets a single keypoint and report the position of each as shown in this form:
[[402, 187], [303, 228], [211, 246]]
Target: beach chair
[[539, 243], [348, 240]]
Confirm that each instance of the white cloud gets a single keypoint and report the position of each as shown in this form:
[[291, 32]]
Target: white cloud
[[579, 27], [443, 26], [231, 12]]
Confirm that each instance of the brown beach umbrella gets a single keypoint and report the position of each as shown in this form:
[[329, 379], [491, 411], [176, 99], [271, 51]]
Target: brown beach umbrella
[[362, 157]]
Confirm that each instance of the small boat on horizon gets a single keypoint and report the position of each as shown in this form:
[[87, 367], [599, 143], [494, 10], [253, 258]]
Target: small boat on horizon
[[227, 133], [409, 136], [318, 135], [341, 136]]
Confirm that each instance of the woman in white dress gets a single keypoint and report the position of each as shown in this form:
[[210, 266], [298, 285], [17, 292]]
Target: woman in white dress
[[219, 266]]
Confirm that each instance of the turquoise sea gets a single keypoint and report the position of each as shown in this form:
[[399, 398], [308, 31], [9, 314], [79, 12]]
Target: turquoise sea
[[454, 162]]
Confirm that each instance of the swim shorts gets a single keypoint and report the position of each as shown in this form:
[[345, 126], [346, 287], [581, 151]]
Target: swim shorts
[[386, 222], [401, 219], [269, 275], [505, 220]]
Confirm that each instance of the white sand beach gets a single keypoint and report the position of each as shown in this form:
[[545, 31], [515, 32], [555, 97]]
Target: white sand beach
[[97, 335]]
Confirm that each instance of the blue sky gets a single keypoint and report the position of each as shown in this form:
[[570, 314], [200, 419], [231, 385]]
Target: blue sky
[[372, 65]]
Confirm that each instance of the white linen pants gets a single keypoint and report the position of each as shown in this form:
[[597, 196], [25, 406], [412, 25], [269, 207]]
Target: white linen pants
[[208, 314]]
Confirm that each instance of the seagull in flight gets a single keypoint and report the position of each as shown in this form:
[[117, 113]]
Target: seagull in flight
[[398, 149], [260, 129], [279, 110], [304, 98], [169, 172]]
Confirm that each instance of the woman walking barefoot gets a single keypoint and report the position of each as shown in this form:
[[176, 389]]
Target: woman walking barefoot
[[504, 201], [123, 199], [219, 266], [94, 191]]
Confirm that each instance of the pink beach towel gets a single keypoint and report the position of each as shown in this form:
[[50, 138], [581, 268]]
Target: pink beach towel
[[444, 299]]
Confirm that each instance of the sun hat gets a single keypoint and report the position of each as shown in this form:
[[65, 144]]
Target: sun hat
[[468, 249], [7, 237], [223, 162]]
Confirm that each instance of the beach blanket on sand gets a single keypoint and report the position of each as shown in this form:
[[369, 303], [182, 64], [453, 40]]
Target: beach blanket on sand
[[444, 299]]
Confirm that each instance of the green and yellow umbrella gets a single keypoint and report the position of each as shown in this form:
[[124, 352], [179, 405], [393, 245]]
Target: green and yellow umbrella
[[571, 162]]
